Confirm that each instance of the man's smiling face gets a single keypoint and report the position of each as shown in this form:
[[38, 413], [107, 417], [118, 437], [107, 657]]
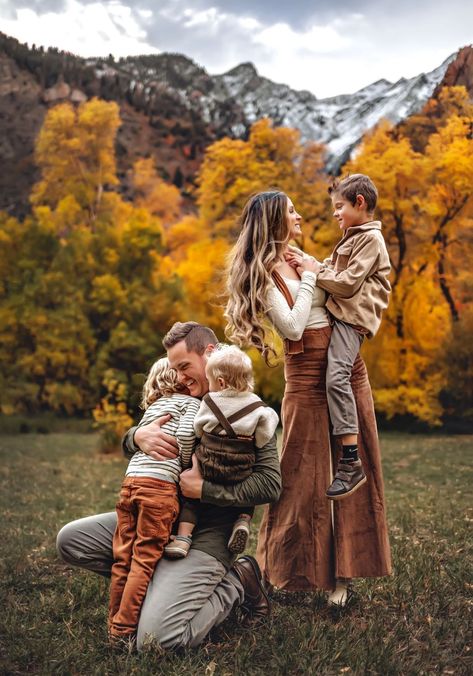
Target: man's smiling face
[[190, 368]]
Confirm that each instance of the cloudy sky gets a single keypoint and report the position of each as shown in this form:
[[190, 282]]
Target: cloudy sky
[[327, 46]]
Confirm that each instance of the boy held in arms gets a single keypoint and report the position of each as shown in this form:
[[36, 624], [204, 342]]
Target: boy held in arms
[[231, 423], [356, 277]]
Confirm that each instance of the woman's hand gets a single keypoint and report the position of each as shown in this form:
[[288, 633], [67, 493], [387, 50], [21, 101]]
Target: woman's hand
[[300, 261], [154, 442], [294, 258]]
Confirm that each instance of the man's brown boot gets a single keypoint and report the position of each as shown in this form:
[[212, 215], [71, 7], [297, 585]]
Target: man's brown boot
[[256, 606], [349, 477]]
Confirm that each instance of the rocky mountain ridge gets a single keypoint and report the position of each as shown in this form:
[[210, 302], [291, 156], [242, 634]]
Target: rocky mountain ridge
[[172, 109], [236, 99]]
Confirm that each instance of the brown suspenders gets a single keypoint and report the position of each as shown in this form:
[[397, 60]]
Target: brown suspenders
[[290, 346], [282, 287], [225, 423]]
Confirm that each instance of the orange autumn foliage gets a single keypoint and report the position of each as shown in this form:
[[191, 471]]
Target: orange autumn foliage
[[90, 282]]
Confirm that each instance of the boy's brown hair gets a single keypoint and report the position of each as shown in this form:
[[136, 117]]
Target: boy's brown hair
[[356, 184], [195, 336]]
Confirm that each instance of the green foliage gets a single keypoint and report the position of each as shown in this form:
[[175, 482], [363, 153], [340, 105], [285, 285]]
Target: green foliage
[[81, 278]]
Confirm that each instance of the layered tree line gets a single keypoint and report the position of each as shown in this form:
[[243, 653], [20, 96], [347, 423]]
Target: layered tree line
[[90, 282]]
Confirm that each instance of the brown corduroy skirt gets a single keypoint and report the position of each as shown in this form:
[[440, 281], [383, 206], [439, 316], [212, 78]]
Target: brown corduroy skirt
[[305, 540]]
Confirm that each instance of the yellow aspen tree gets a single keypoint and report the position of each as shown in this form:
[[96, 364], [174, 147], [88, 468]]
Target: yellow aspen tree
[[448, 205], [75, 153], [158, 197]]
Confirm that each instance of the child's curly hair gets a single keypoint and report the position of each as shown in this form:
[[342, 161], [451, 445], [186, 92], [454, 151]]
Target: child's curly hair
[[161, 382]]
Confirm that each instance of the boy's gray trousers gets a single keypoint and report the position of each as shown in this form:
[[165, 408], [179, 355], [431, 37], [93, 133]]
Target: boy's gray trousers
[[185, 599], [344, 347]]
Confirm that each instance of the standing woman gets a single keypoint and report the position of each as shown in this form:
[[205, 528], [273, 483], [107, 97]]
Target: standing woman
[[303, 545]]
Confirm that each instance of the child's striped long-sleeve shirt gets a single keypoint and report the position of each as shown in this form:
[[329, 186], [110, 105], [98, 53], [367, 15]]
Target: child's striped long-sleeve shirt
[[183, 409]]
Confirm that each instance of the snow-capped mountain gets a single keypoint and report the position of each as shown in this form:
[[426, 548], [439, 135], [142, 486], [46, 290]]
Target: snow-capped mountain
[[241, 96], [172, 109]]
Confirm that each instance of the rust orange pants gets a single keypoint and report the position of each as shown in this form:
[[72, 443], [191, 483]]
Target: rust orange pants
[[146, 512]]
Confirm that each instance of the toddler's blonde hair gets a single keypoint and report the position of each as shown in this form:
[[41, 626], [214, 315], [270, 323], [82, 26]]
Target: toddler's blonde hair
[[161, 382], [233, 365]]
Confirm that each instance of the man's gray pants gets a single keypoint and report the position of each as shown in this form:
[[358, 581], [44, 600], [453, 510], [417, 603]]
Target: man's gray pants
[[344, 347], [185, 598]]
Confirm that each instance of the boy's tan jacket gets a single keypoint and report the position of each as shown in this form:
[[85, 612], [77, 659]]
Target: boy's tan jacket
[[356, 277]]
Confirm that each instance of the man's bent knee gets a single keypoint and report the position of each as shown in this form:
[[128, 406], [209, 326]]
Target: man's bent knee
[[87, 543], [64, 545], [166, 633]]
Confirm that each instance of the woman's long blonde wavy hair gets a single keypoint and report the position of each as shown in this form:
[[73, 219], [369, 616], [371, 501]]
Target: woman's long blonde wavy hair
[[263, 236]]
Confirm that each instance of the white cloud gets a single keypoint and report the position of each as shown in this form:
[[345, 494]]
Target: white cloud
[[87, 30], [213, 20], [331, 52], [313, 58], [248, 23], [317, 39], [210, 17]]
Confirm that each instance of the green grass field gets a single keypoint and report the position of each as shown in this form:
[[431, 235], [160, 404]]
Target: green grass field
[[53, 618]]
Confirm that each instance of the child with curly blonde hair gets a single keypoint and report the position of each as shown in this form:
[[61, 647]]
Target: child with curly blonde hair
[[148, 504]]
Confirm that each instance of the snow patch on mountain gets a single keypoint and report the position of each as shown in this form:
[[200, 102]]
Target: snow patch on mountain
[[339, 122], [231, 102]]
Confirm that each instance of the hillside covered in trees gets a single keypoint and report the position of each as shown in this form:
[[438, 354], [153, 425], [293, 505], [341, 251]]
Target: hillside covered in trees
[[90, 281], [172, 109]]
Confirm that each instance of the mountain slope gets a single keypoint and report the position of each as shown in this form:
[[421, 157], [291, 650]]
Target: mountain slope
[[172, 109], [237, 98]]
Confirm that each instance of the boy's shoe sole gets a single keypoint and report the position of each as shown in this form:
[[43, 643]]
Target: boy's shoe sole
[[239, 538], [176, 554], [178, 548], [341, 496], [237, 542]]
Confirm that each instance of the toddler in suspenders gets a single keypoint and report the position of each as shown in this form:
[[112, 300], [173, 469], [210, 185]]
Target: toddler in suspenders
[[231, 423]]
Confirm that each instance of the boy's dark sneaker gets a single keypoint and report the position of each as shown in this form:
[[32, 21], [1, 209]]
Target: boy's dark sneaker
[[348, 478]]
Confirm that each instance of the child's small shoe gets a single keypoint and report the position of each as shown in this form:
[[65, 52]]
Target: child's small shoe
[[240, 534], [178, 548], [349, 477]]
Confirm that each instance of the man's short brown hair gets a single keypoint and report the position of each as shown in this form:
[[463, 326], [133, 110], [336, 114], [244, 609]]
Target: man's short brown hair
[[195, 336], [356, 184]]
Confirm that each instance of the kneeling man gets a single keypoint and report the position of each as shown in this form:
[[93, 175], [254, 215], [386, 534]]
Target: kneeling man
[[188, 597]]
